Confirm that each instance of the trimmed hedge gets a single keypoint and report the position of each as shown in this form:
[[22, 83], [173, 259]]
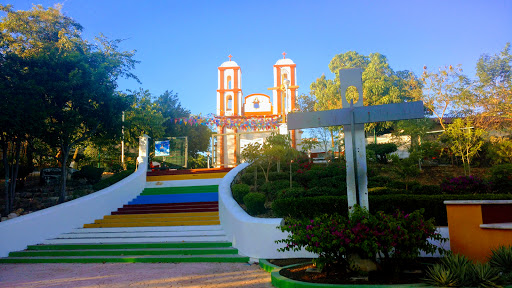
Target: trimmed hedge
[[248, 178], [112, 180], [239, 191], [309, 207], [501, 178], [254, 203], [272, 189]]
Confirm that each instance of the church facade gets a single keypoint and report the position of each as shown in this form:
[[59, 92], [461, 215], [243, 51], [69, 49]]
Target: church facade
[[233, 105]]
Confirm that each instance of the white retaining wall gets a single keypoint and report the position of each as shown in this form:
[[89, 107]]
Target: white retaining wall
[[34, 228], [253, 237]]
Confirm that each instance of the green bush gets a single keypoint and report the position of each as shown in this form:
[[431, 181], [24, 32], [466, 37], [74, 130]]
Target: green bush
[[326, 191], [89, 173], [274, 176], [378, 181], [271, 189], [334, 182], [114, 168], [382, 150], [239, 191], [385, 191], [501, 178], [294, 192], [465, 185], [112, 179], [309, 207], [248, 178], [425, 189], [254, 203]]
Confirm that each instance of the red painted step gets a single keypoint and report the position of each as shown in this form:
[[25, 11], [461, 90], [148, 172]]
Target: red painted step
[[177, 210], [187, 171], [172, 205]]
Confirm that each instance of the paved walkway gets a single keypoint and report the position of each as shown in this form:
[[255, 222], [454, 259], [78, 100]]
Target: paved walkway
[[189, 275]]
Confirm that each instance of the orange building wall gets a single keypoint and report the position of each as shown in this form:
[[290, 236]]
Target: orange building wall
[[466, 236]]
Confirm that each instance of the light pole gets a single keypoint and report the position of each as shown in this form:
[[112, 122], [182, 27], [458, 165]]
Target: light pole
[[122, 144]]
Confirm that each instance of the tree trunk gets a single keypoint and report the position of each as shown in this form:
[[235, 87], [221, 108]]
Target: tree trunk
[[14, 175], [6, 184], [64, 174]]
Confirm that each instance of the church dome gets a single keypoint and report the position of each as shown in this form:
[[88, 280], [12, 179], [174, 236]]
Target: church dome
[[229, 64], [285, 61]]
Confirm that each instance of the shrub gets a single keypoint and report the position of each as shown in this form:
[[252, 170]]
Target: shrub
[[378, 181], [334, 182], [274, 176], [382, 150], [458, 271], [271, 189], [384, 191], [425, 189], [90, 173], [309, 207], [254, 203], [114, 168], [294, 192], [501, 258], [335, 237], [239, 191], [464, 185], [326, 191], [112, 180], [501, 178]]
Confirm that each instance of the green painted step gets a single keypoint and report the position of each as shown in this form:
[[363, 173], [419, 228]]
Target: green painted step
[[180, 190], [124, 252], [130, 246], [136, 259]]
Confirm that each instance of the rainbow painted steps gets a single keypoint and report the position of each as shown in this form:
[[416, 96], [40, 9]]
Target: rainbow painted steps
[[170, 221], [166, 206]]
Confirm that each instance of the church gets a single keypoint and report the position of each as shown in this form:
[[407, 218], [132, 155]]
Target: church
[[232, 105]]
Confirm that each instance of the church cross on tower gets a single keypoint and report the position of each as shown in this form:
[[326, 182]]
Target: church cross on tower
[[230, 57], [284, 55]]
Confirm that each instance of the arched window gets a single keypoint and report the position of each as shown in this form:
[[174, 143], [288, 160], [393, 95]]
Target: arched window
[[285, 76], [230, 83], [229, 103]]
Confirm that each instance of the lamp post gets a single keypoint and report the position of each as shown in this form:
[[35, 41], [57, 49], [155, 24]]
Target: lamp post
[[122, 144]]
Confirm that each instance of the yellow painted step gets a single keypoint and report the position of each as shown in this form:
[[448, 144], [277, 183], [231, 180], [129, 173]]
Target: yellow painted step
[[185, 177], [173, 223], [161, 215]]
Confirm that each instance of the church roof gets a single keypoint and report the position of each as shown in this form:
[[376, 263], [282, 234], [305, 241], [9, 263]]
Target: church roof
[[229, 64], [285, 61]]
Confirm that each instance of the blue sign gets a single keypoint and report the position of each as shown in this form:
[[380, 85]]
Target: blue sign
[[162, 148]]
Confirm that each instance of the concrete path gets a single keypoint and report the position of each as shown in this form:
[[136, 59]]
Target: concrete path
[[188, 275]]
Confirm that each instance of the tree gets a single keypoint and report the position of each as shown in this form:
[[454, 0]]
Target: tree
[[74, 80], [198, 135], [465, 141], [306, 102], [443, 91], [143, 117], [493, 90]]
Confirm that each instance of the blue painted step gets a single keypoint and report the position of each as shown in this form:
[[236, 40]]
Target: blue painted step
[[175, 198]]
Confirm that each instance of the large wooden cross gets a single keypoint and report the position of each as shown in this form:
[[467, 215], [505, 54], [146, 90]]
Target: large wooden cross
[[353, 117]]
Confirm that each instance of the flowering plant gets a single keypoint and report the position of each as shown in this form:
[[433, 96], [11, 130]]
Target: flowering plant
[[335, 237], [464, 185]]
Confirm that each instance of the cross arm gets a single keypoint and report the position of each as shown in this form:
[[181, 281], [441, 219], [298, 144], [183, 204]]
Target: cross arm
[[365, 114]]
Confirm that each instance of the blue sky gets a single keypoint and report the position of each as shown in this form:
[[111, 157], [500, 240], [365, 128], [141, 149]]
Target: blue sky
[[181, 43]]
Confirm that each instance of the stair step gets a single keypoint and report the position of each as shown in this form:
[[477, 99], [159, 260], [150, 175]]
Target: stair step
[[141, 234], [163, 215], [125, 240], [123, 211], [178, 198], [118, 219], [125, 252], [131, 259], [185, 177], [180, 190], [188, 171], [146, 229], [183, 183], [138, 245], [172, 205], [166, 223]]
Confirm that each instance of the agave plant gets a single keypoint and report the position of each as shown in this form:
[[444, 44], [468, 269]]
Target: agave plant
[[439, 275], [485, 276], [501, 258], [461, 267]]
